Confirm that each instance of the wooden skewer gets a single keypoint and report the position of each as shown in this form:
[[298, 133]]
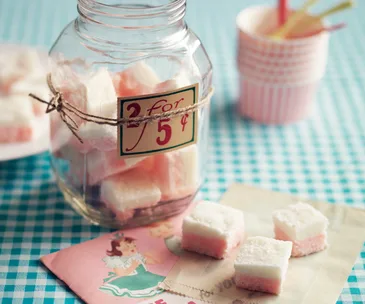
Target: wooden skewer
[[292, 21], [337, 8], [332, 28]]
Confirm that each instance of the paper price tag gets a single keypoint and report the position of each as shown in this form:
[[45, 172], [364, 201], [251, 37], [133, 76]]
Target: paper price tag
[[166, 134]]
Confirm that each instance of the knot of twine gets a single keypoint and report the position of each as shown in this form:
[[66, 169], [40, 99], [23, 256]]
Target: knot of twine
[[64, 108]]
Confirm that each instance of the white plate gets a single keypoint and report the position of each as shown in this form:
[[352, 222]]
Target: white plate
[[39, 144]]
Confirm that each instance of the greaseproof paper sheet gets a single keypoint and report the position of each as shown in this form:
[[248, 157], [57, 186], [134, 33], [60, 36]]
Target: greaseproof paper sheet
[[169, 298]]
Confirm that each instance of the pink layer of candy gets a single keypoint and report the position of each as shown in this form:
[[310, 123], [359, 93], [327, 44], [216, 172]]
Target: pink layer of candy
[[125, 192], [82, 147], [169, 174], [214, 247], [39, 109], [123, 216], [15, 134], [166, 86], [61, 136], [127, 85], [6, 86], [104, 164], [164, 208], [258, 284], [304, 247], [98, 165], [72, 89], [57, 135]]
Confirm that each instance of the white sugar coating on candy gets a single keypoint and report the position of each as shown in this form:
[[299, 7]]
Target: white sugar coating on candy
[[75, 157], [189, 163], [24, 73], [214, 220], [145, 74], [18, 62], [101, 95], [104, 164], [64, 77], [36, 86], [101, 137], [178, 81], [131, 162], [96, 159], [186, 176], [60, 135], [183, 79], [29, 60], [101, 101], [173, 84], [17, 120], [73, 90], [263, 257], [7, 71], [130, 190], [300, 221], [15, 111]]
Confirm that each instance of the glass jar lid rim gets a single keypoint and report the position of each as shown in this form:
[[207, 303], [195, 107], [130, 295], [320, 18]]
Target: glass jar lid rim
[[131, 7]]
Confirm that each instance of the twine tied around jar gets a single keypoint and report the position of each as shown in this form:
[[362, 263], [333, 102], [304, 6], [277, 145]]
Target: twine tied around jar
[[64, 108]]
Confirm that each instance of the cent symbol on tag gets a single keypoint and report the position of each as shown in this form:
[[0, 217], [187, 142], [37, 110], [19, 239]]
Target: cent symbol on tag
[[176, 126]]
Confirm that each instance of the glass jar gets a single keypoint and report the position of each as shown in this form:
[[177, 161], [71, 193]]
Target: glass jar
[[127, 49]]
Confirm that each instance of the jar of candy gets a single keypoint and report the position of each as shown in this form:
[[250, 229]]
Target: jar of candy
[[131, 86]]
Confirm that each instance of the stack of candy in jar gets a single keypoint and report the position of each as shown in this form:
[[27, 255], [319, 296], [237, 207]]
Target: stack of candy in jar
[[21, 72], [282, 57], [123, 185]]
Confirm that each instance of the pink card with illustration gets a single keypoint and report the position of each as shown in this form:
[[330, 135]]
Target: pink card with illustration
[[122, 266]]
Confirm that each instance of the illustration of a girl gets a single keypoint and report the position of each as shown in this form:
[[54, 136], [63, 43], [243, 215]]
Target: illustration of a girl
[[130, 276], [165, 230]]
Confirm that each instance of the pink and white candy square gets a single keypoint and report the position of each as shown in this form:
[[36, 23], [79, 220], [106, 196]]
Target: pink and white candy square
[[125, 192], [261, 264], [303, 225], [212, 229]]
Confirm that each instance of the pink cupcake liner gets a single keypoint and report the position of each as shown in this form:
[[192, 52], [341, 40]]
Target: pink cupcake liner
[[258, 57], [276, 104], [256, 50], [255, 22], [244, 55], [281, 49], [282, 76], [279, 79]]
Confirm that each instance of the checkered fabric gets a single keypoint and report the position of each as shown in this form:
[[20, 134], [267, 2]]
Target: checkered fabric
[[321, 158]]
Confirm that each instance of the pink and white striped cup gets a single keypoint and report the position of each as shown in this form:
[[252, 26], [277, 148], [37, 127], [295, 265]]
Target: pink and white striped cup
[[276, 104], [279, 79]]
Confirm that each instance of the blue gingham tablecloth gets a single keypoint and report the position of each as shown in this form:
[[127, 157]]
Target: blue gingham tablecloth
[[322, 158]]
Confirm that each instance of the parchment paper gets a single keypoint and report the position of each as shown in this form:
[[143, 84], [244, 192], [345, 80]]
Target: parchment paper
[[318, 278], [170, 298]]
